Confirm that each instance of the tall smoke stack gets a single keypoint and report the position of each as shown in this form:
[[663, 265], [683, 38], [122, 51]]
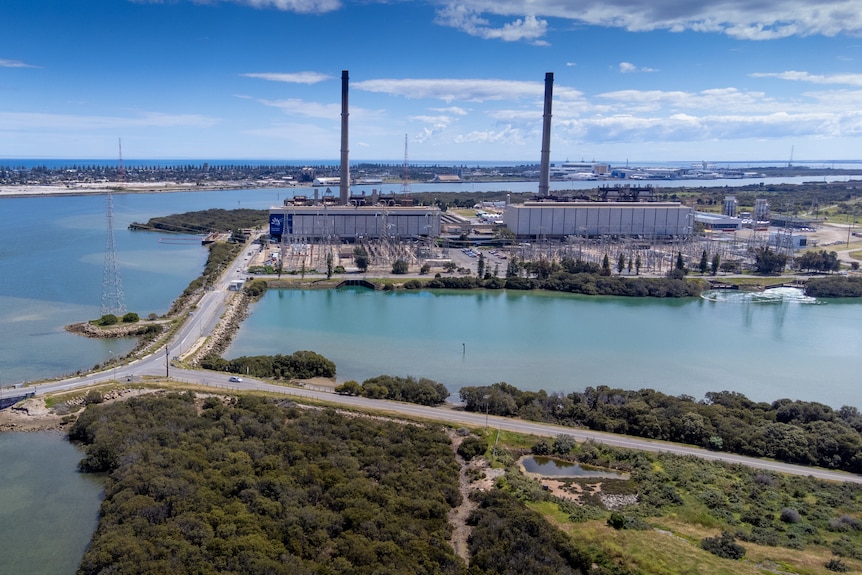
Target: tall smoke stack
[[345, 161], [545, 168]]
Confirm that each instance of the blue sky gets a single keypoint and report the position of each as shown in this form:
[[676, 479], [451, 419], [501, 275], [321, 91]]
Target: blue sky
[[638, 80]]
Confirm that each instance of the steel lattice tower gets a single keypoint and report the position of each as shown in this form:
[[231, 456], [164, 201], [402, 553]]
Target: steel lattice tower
[[113, 300], [405, 174]]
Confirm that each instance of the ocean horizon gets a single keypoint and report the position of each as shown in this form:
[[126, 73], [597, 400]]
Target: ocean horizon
[[61, 163]]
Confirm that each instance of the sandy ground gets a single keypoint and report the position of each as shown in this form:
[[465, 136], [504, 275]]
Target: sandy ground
[[33, 415]]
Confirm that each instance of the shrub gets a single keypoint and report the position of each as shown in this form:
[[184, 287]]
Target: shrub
[[349, 387], [541, 448], [472, 447], [789, 515], [92, 397], [836, 565], [108, 319], [131, 317], [616, 520], [619, 521], [724, 546], [563, 444], [400, 267]]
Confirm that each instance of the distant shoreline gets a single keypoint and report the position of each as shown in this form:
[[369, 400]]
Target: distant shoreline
[[33, 191]]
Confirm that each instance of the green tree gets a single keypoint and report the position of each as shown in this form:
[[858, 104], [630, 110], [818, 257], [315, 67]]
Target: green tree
[[716, 262], [606, 266], [131, 317], [480, 266], [360, 258], [329, 267], [703, 266], [621, 263], [638, 265], [513, 268], [680, 263], [767, 261]]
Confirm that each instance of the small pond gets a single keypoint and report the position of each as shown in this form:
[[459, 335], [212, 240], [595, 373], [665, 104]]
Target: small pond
[[548, 467]]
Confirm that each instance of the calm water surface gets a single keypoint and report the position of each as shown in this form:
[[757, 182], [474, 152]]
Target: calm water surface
[[52, 253], [560, 342], [548, 467], [48, 511]]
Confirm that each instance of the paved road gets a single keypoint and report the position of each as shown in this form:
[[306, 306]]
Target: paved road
[[210, 309]]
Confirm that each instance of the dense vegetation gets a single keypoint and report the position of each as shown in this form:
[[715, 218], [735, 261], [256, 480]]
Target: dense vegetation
[[580, 283], [834, 286], [727, 510], [206, 221], [806, 433], [510, 539], [255, 487], [298, 365], [818, 261], [423, 391]]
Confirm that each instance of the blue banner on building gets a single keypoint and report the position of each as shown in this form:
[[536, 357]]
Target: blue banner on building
[[276, 224]]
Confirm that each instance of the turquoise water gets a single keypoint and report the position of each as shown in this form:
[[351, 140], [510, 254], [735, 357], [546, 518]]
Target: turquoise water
[[48, 511], [52, 252], [766, 350]]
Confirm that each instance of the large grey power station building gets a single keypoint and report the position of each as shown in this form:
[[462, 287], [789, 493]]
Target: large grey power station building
[[591, 219], [349, 223]]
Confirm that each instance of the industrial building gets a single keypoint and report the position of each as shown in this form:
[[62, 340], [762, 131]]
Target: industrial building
[[351, 223], [591, 219], [718, 222]]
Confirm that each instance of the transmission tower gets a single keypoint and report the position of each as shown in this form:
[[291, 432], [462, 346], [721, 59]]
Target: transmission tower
[[113, 300], [405, 174], [121, 172]]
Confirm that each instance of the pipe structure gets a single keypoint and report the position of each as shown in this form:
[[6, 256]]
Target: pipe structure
[[545, 169], [345, 160]]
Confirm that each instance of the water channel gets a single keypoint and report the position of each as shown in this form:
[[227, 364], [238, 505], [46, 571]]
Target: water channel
[[48, 510], [767, 347]]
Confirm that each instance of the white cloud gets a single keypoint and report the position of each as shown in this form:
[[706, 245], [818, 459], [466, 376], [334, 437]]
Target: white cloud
[[436, 121], [4, 63], [628, 68], [299, 6], [456, 110], [468, 90], [848, 79], [61, 122], [303, 108], [743, 19], [461, 17], [506, 135], [726, 99], [290, 77]]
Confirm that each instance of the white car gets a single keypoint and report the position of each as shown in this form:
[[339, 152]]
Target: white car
[[235, 379]]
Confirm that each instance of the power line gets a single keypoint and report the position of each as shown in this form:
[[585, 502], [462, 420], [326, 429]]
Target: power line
[[113, 300]]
